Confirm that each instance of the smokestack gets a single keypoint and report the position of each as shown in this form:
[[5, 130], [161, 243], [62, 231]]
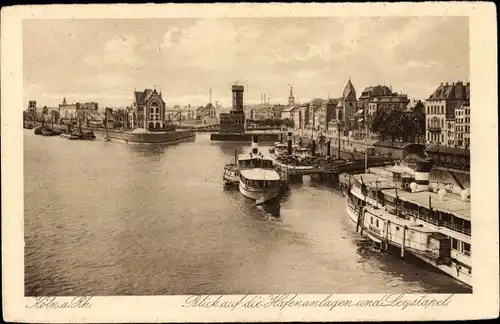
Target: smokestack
[[210, 96], [422, 170], [255, 144], [289, 142], [265, 98]]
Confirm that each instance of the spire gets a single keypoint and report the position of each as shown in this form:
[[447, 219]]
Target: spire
[[291, 98]]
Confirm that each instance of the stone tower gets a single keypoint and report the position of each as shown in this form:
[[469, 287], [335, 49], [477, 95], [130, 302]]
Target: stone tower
[[349, 102], [237, 98]]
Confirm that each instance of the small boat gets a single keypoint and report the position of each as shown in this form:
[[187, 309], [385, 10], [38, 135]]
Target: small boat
[[70, 136], [38, 131], [258, 179], [48, 132], [231, 172]]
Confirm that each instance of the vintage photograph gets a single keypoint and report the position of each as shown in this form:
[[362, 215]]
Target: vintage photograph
[[310, 155]]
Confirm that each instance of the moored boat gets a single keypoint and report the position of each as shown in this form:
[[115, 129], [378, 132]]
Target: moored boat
[[231, 174], [258, 179], [142, 136], [48, 132], [403, 212]]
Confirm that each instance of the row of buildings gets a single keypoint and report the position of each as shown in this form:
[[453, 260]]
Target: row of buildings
[[446, 111]]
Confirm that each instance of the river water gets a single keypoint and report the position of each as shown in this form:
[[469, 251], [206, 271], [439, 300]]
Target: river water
[[106, 218]]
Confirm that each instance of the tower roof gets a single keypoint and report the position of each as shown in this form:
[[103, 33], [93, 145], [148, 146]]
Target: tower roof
[[349, 89]]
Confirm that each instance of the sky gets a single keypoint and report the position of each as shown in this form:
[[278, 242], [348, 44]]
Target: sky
[[104, 60]]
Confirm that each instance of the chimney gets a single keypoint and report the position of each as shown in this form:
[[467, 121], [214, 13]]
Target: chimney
[[289, 142], [255, 144], [422, 169]]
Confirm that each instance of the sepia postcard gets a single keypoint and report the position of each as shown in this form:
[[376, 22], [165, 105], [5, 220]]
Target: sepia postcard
[[249, 162]]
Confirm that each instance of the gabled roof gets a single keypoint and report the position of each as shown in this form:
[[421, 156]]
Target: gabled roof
[[349, 90], [376, 91], [454, 91], [141, 97]]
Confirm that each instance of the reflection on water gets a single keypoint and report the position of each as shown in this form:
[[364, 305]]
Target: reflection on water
[[106, 218]]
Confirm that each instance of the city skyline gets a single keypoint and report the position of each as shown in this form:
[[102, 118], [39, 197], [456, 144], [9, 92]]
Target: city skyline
[[105, 60]]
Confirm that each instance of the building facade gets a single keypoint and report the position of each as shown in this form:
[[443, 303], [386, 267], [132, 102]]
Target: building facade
[[462, 126], [372, 92], [207, 111], [147, 111], [394, 101], [67, 111], [440, 110]]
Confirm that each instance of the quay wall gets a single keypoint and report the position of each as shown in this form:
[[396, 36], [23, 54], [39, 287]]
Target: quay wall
[[244, 137]]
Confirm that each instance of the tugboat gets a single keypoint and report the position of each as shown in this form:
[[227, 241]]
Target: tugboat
[[231, 173], [258, 179]]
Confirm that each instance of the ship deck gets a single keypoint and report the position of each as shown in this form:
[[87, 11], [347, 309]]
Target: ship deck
[[450, 203]]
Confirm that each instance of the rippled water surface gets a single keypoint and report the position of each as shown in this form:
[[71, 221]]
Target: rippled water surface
[[106, 218]]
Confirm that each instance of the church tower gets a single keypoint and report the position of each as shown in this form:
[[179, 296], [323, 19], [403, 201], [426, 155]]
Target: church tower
[[349, 101], [291, 98]]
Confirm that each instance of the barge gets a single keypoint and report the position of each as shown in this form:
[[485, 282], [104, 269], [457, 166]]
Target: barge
[[138, 136]]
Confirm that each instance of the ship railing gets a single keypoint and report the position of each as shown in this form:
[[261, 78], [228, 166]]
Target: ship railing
[[435, 222], [456, 228]]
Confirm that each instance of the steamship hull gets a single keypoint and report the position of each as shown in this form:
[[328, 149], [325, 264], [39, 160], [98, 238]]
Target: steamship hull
[[453, 262], [452, 266], [258, 194], [169, 137]]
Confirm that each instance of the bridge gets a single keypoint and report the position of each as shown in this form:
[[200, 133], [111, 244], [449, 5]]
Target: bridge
[[206, 128]]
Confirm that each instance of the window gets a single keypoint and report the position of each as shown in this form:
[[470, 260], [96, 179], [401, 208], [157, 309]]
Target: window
[[454, 244], [397, 228], [377, 222], [371, 220], [466, 247]]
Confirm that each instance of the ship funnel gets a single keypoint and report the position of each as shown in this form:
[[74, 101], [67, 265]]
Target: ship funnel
[[422, 169], [464, 194], [441, 194], [289, 142], [255, 144]]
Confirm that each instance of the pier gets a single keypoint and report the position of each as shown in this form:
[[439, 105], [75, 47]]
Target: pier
[[331, 171]]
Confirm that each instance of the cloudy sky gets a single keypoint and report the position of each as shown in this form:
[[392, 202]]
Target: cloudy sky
[[104, 60]]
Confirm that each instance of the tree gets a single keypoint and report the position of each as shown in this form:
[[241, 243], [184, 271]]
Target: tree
[[55, 115], [288, 123], [45, 110]]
